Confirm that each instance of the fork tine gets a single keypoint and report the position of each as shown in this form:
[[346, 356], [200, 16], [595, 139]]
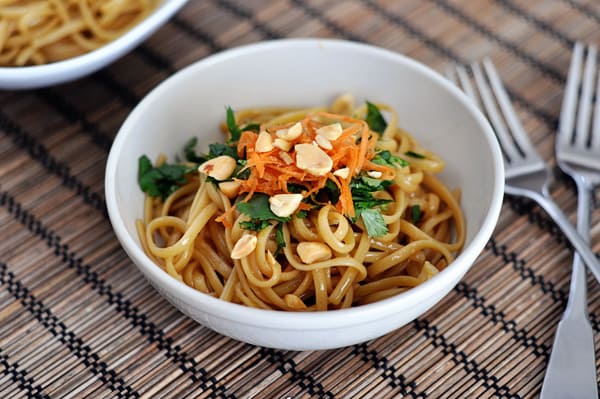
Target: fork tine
[[463, 77], [595, 137], [585, 103], [458, 75], [519, 134], [502, 133], [567, 113]]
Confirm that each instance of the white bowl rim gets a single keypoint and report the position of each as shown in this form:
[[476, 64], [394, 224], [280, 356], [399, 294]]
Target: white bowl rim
[[107, 51], [302, 320]]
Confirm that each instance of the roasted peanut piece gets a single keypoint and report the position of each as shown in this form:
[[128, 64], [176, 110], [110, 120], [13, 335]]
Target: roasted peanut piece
[[282, 144], [343, 173], [264, 143], [283, 205], [311, 158], [244, 246], [330, 132], [292, 133], [230, 188], [286, 158], [323, 142], [311, 252], [219, 168]]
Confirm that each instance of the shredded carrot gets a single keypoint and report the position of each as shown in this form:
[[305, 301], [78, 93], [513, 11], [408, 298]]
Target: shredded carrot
[[271, 174]]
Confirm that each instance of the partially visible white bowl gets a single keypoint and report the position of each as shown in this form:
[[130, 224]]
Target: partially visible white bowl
[[308, 72], [32, 77]]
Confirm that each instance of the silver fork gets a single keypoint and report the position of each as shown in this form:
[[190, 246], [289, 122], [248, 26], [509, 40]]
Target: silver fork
[[571, 370], [526, 173]]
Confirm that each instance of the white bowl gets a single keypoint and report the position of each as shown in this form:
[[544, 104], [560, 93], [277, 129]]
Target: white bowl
[[32, 77], [307, 73]]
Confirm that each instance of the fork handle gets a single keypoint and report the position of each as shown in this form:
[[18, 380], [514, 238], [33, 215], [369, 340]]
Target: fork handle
[[578, 242], [571, 370]]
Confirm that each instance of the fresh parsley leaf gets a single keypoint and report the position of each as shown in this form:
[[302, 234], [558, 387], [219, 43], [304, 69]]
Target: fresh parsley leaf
[[295, 188], [163, 180], [254, 127], [328, 194], [386, 158], [415, 213], [279, 239], [144, 166], [241, 172], [232, 127], [367, 201], [302, 214], [374, 118], [189, 152], [374, 222], [254, 224], [258, 208], [414, 154], [218, 149], [366, 204], [365, 184]]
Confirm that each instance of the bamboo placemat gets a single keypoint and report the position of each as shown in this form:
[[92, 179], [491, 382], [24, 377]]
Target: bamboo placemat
[[77, 319]]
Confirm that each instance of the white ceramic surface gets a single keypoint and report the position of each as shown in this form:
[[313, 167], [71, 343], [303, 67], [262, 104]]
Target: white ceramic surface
[[32, 77], [308, 72]]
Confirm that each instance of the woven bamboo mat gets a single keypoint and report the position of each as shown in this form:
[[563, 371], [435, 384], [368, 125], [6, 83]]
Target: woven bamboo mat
[[77, 319]]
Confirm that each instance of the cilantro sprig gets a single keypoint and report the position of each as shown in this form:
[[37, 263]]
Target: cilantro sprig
[[259, 211], [261, 216], [235, 132], [386, 158], [375, 119], [161, 181], [366, 204]]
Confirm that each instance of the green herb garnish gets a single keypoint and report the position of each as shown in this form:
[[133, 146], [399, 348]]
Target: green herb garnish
[[254, 127], [259, 211], [189, 152], [163, 180], [365, 203], [302, 214], [254, 224], [374, 222], [375, 119], [279, 239], [414, 154], [232, 127], [415, 213], [386, 158], [328, 194]]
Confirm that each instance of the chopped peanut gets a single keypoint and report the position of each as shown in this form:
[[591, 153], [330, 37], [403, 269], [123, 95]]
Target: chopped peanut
[[282, 144], [291, 133], [230, 188], [244, 246], [264, 143], [283, 205], [323, 142], [219, 168], [310, 252], [343, 173], [312, 159], [330, 132]]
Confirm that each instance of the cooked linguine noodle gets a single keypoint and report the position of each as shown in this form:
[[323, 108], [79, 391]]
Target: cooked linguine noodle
[[43, 31], [283, 219]]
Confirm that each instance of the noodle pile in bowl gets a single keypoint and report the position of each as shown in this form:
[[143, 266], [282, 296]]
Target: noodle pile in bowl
[[34, 32], [304, 209]]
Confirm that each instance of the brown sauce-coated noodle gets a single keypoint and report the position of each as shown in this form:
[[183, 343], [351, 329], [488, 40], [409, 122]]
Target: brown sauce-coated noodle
[[192, 233], [34, 32]]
